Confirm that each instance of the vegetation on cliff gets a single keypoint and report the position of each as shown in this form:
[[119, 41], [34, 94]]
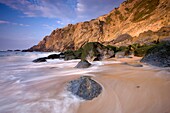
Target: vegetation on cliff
[[132, 17]]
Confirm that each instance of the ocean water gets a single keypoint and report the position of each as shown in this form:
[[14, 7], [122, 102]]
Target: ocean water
[[28, 87]]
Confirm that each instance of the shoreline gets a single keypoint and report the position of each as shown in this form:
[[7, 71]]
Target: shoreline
[[128, 89]]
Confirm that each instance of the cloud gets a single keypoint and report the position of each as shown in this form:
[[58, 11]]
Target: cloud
[[59, 22], [43, 8], [51, 27], [89, 9], [4, 22], [69, 11], [12, 23]]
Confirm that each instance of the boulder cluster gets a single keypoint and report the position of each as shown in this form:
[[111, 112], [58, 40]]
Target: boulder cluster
[[157, 53]]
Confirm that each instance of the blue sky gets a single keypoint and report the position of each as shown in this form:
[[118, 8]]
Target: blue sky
[[23, 23]]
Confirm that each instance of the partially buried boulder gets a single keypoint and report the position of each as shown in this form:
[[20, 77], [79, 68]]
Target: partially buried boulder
[[83, 64], [85, 88], [38, 60], [158, 55]]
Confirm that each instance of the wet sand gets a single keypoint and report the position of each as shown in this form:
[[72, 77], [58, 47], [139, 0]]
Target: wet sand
[[41, 88], [128, 89]]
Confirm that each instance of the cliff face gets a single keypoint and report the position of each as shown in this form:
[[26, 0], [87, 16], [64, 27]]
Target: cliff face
[[131, 18]]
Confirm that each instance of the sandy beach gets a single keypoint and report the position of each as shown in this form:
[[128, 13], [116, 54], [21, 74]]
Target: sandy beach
[[128, 89]]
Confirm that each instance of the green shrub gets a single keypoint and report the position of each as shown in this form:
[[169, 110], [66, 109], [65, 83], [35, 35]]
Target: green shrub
[[108, 19], [127, 9], [144, 9], [123, 48], [112, 48], [78, 53], [117, 12], [135, 46], [141, 51], [69, 54]]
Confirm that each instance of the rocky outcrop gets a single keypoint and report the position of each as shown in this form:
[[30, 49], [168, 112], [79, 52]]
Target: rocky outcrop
[[38, 60], [96, 51], [83, 64], [132, 18], [89, 52], [158, 55], [85, 88]]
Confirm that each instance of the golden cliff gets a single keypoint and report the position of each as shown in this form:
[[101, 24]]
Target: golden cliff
[[132, 18]]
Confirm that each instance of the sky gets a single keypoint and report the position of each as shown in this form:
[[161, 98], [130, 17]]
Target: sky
[[23, 23]]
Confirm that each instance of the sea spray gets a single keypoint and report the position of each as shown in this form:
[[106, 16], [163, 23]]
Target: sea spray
[[64, 103]]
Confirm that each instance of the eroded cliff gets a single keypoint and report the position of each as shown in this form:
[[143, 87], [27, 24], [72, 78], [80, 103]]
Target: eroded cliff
[[130, 19]]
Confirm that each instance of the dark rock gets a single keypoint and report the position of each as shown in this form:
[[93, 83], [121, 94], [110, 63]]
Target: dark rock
[[25, 50], [136, 65], [83, 64], [17, 50], [158, 55], [85, 88], [69, 55], [43, 59], [97, 59], [133, 64], [62, 55], [54, 56], [9, 50]]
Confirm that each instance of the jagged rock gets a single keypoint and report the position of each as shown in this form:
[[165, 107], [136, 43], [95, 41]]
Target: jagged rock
[[85, 88], [38, 60], [94, 50], [83, 64], [54, 56], [132, 17], [158, 55]]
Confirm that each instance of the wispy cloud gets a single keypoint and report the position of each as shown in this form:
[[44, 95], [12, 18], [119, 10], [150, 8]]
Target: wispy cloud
[[65, 10], [43, 8], [88, 9], [51, 27], [12, 23], [60, 22], [4, 22]]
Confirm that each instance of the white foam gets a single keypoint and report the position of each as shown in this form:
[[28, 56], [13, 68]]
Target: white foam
[[64, 103], [18, 73]]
